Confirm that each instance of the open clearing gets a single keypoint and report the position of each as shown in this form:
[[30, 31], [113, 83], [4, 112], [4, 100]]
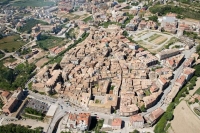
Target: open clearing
[[185, 121], [159, 40], [11, 43]]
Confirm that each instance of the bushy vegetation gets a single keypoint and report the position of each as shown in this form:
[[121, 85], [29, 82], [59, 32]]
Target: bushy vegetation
[[1, 103], [11, 79], [13, 128], [46, 41], [99, 125], [185, 12], [1, 54], [135, 131], [154, 18], [168, 115], [198, 49], [33, 111], [30, 23], [143, 109], [121, 1], [191, 35]]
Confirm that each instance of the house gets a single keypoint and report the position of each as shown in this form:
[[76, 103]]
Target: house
[[5, 95], [137, 121], [149, 101], [83, 121], [169, 23], [167, 53], [142, 25], [162, 82], [154, 116], [181, 80], [188, 72], [10, 105], [116, 123], [71, 121]]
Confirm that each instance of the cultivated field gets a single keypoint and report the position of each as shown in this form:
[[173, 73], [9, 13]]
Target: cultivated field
[[11, 43], [185, 121]]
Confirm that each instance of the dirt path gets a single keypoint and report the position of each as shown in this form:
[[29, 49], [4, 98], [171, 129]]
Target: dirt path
[[184, 120]]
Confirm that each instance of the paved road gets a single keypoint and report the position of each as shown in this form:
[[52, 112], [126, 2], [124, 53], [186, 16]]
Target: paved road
[[177, 73], [63, 107], [61, 111]]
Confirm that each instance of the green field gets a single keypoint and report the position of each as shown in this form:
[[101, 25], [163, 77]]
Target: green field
[[11, 43], [47, 42], [32, 3], [1, 54]]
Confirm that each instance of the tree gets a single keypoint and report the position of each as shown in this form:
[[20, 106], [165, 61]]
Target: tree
[[153, 18], [136, 131], [125, 33], [196, 100], [142, 108], [169, 116]]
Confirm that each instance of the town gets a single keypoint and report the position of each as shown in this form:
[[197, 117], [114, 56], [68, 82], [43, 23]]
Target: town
[[99, 66]]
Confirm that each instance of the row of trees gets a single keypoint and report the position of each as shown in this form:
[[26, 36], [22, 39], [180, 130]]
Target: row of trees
[[13, 128], [162, 125]]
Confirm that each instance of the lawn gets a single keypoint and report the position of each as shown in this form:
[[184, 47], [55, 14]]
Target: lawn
[[11, 43], [46, 42], [33, 3]]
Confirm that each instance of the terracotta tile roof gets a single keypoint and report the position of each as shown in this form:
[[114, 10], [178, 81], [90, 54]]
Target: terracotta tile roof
[[116, 122]]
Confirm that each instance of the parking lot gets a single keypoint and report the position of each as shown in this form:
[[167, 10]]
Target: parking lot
[[38, 105]]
